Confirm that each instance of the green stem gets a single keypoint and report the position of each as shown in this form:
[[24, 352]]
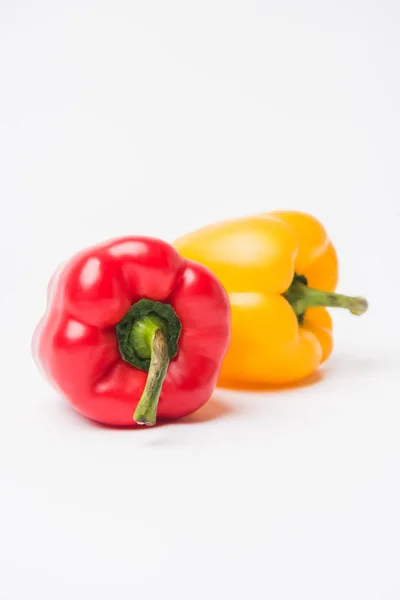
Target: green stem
[[148, 339], [146, 410], [301, 297]]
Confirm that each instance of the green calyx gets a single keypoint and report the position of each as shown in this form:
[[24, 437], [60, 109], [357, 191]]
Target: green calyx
[[148, 339], [301, 297], [135, 329]]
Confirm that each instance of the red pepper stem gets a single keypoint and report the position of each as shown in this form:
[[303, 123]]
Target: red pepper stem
[[146, 410], [301, 297]]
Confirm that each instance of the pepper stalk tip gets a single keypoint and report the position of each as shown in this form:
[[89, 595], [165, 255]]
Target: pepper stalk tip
[[359, 306]]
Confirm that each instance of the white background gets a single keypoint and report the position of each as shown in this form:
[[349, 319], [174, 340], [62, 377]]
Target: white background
[[151, 117]]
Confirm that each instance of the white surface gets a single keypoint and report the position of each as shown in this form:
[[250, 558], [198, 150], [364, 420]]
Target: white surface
[[155, 118]]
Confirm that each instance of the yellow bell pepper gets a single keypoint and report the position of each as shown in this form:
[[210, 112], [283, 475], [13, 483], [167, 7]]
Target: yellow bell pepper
[[273, 267]]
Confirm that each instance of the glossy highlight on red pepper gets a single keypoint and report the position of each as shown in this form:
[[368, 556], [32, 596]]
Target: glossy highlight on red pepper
[[125, 307]]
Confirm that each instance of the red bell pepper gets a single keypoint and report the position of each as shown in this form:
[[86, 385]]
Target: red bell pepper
[[132, 331]]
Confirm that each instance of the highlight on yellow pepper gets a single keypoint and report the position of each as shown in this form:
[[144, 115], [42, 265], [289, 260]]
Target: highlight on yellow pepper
[[280, 270]]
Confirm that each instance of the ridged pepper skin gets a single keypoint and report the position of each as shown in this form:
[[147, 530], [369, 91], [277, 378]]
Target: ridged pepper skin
[[76, 345], [257, 259]]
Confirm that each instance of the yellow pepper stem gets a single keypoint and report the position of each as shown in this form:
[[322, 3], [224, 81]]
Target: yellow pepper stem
[[301, 297]]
